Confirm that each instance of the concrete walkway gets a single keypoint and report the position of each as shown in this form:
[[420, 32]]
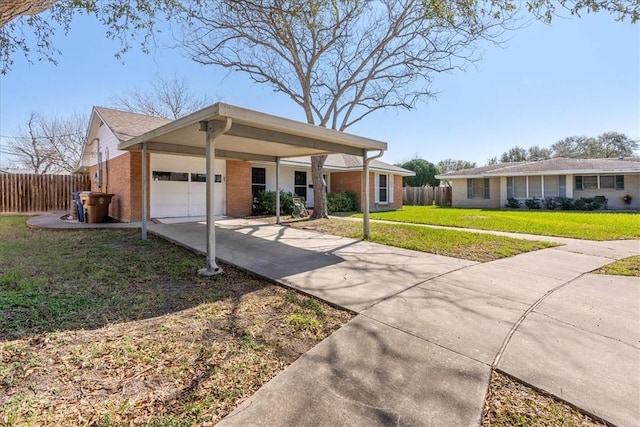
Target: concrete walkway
[[431, 328]]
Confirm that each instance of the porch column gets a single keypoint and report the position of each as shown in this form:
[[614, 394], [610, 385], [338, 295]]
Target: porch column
[[277, 190], [211, 268], [144, 191], [365, 197]]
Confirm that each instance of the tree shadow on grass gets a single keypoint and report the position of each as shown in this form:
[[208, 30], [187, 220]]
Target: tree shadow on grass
[[56, 281]]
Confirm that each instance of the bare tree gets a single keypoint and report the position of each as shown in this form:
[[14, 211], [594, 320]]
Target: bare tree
[[170, 98], [50, 144], [340, 61]]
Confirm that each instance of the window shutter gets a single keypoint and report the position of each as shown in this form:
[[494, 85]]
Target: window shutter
[[390, 187], [376, 190], [486, 188], [578, 182], [619, 182], [562, 185], [469, 188]]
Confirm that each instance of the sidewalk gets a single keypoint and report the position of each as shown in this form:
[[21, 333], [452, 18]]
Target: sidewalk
[[431, 328]]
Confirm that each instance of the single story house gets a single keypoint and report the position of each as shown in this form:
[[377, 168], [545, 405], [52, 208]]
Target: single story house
[[491, 186], [177, 182]]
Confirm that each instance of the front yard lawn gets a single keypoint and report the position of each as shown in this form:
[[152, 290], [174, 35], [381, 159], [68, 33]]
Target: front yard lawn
[[98, 327], [579, 225], [623, 267], [457, 244]]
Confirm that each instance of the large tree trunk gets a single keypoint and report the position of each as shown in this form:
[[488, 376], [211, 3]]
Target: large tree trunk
[[319, 188]]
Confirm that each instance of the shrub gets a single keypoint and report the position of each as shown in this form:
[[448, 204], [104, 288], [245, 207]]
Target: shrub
[[551, 203], [345, 201], [533, 203], [513, 203], [566, 203], [265, 203]]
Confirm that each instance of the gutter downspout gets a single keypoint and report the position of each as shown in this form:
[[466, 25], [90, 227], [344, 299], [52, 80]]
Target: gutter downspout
[[211, 268], [366, 232]]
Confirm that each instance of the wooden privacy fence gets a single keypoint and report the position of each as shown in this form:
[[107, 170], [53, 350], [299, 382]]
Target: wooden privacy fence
[[426, 196], [32, 193]]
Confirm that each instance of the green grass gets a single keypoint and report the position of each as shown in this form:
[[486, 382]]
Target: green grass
[[457, 244], [579, 225], [623, 267]]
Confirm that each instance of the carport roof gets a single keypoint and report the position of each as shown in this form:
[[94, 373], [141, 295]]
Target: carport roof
[[252, 136]]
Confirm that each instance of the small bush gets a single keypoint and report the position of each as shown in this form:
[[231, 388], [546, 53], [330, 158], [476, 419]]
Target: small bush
[[533, 203], [513, 203], [566, 204], [345, 201], [265, 203], [551, 203]]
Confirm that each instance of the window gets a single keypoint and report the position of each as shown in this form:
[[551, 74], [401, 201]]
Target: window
[[478, 188], [170, 176], [198, 177], [535, 186], [300, 184], [258, 181], [383, 189], [596, 182]]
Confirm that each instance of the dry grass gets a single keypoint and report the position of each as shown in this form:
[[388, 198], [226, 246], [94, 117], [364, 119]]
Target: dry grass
[[510, 404], [97, 328]]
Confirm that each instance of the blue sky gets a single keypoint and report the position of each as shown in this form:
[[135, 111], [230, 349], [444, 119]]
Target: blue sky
[[578, 76]]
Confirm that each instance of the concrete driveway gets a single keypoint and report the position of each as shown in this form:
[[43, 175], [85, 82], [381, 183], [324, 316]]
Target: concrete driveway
[[431, 328]]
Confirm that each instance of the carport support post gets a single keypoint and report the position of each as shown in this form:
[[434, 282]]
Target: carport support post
[[365, 196], [144, 191], [277, 190], [211, 268]]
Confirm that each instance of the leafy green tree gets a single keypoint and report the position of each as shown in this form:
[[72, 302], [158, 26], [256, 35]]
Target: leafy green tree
[[515, 154], [449, 165], [425, 173], [606, 145], [538, 153]]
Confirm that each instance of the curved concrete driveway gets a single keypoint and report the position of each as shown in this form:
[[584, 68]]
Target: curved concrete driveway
[[431, 328]]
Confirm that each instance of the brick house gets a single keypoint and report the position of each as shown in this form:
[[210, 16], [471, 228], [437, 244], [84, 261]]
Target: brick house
[[177, 182]]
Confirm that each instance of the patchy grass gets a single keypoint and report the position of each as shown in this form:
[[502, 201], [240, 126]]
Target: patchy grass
[[510, 403], [623, 267], [100, 328], [457, 244], [579, 225]]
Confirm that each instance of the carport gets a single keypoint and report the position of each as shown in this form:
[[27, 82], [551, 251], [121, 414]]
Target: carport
[[230, 132]]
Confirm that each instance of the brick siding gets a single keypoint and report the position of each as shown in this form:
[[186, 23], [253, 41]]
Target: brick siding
[[239, 198]]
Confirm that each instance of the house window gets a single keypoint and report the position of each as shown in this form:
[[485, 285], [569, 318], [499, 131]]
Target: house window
[[535, 186], [300, 184], [258, 181], [383, 189], [478, 188], [596, 182]]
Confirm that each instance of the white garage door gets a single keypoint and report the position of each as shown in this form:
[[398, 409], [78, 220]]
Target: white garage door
[[178, 186]]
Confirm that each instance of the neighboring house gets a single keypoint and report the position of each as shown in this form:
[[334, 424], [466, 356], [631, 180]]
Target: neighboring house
[[491, 186], [177, 183]]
